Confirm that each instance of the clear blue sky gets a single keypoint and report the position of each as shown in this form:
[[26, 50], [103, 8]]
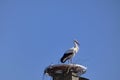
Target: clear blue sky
[[35, 34]]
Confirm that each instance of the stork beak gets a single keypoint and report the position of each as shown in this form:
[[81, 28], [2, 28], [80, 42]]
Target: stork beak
[[76, 42]]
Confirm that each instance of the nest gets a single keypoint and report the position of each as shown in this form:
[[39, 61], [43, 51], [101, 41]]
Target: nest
[[65, 69]]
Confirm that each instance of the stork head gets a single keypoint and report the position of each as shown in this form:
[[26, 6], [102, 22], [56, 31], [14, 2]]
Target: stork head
[[75, 41]]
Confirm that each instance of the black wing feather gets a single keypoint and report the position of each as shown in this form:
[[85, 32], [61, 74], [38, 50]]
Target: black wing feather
[[66, 56]]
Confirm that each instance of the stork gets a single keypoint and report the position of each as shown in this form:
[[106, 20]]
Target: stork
[[68, 55]]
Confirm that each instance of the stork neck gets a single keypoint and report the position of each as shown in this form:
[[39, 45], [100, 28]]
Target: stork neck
[[76, 45]]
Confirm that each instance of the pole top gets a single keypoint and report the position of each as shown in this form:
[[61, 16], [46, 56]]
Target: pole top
[[65, 69]]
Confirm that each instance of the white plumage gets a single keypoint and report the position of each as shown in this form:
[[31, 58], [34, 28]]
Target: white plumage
[[68, 55]]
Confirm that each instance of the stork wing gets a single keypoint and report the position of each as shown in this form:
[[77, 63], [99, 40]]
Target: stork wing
[[67, 55]]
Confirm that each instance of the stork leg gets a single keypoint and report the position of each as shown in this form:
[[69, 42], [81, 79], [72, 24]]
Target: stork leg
[[68, 61], [71, 60]]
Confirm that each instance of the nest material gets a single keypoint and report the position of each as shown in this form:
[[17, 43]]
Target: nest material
[[64, 69]]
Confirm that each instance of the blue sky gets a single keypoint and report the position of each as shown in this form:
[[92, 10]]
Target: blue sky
[[35, 34]]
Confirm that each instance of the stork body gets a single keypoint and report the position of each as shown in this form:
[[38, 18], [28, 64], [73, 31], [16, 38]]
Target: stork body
[[68, 55]]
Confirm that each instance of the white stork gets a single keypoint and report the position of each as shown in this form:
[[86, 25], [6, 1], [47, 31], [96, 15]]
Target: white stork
[[68, 55]]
